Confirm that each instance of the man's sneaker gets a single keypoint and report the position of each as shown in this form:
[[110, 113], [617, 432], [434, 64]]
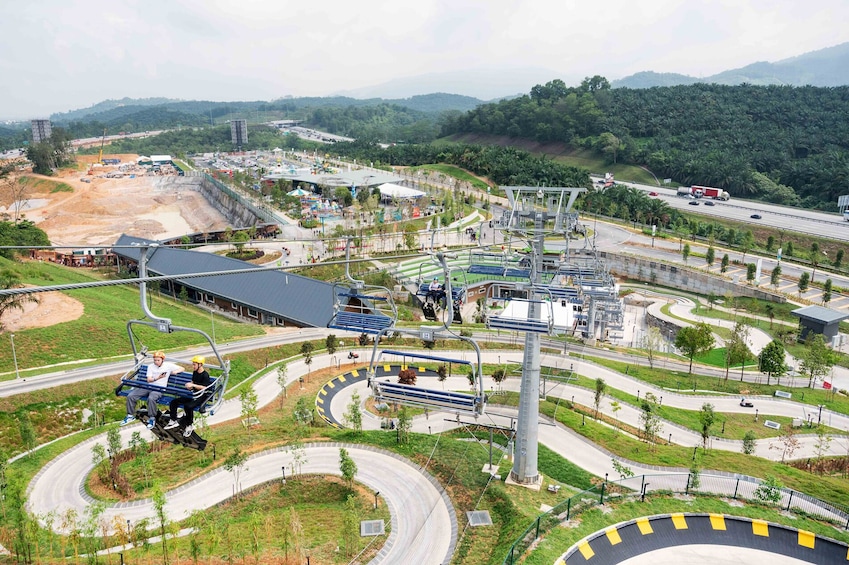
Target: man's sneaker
[[150, 423], [128, 419], [171, 425], [188, 431]]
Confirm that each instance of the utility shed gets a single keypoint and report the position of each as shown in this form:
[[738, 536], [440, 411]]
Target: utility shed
[[819, 320]]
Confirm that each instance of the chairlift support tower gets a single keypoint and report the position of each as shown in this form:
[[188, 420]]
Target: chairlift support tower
[[534, 213]]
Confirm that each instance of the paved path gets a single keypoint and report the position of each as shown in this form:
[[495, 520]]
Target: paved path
[[429, 526]]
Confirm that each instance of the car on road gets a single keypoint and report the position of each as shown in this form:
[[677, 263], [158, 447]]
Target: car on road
[[710, 203], [693, 202], [652, 193], [755, 216], [746, 403]]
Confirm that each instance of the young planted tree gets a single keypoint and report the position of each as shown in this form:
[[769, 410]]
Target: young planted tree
[[499, 375], [235, 463], [751, 269], [353, 415], [306, 351], [600, 388], [350, 527], [804, 281], [707, 417], [771, 361], [331, 342], [652, 343], [159, 502], [650, 418], [282, 374], [723, 264], [407, 377], [405, 425], [710, 256], [249, 402], [303, 413], [817, 358], [694, 340], [685, 252], [749, 442], [826, 291], [775, 276], [347, 467]]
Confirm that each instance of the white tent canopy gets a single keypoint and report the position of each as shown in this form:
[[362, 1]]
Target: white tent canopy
[[389, 190]]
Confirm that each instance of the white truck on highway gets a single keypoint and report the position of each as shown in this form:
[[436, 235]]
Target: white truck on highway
[[703, 191]]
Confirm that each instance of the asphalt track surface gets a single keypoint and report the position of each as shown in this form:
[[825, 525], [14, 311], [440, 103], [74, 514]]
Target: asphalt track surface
[[429, 526]]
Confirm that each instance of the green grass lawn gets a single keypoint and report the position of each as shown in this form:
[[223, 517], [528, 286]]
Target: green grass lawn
[[101, 333]]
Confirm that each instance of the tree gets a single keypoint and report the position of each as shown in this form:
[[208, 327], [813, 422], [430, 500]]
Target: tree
[[615, 407], [769, 491], [815, 259], [710, 256], [142, 458], [12, 189], [306, 350], [600, 388], [240, 239], [712, 298], [499, 376], [685, 252], [771, 360], [751, 269], [159, 502], [303, 413], [405, 425], [694, 340], [804, 280], [652, 342], [826, 291], [788, 443], [347, 467], [737, 348], [749, 442], [331, 342], [775, 276], [649, 418], [354, 415], [235, 463], [723, 265], [407, 377], [249, 401], [821, 446], [817, 358], [282, 374], [113, 442], [350, 526], [838, 259], [769, 308], [707, 417]]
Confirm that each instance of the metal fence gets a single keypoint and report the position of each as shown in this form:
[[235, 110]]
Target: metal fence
[[738, 487]]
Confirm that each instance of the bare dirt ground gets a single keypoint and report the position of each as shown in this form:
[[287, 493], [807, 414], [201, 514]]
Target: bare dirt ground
[[97, 213]]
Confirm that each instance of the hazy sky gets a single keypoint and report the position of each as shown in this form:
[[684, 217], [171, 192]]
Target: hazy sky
[[59, 55]]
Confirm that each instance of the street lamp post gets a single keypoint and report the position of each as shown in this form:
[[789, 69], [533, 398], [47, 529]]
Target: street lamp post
[[14, 356]]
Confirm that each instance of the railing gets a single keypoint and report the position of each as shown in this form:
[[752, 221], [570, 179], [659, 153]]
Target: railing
[[734, 486]]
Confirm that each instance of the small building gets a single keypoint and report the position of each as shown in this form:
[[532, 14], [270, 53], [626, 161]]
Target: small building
[[819, 320]]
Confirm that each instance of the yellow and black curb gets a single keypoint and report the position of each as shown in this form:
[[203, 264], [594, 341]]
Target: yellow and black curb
[[333, 386], [623, 541]]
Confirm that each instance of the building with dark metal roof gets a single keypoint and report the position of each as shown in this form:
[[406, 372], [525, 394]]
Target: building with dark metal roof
[[267, 297], [819, 320]]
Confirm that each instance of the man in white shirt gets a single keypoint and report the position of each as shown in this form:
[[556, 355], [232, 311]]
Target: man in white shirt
[[434, 290], [157, 375]]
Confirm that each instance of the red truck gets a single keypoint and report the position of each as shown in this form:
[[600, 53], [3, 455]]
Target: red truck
[[708, 192]]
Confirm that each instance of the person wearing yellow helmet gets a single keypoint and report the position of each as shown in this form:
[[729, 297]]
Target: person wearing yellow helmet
[[157, 375], [200, 381]]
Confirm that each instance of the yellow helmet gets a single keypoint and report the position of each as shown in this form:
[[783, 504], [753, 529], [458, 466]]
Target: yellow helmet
[[199, 359], [160, 354]]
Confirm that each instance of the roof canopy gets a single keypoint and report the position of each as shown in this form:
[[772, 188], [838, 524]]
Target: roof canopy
[[388, 190]]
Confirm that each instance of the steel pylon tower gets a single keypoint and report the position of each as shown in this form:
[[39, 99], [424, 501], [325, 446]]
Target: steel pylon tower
[[535, 212]]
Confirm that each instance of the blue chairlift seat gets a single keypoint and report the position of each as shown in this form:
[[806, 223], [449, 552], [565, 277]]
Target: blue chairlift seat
[[176, 388], [428, 398], [359, 322]]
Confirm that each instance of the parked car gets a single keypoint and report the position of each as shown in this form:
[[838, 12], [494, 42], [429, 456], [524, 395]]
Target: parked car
[[755, 216], [693, 202], [746, 403]]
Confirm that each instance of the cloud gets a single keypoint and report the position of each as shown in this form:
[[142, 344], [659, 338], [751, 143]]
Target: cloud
[[60, 55]]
